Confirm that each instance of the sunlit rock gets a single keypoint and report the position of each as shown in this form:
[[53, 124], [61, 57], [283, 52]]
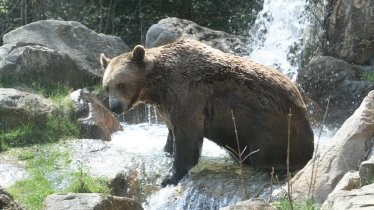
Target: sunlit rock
[[171, 29], [19, 107], [256, 204], [89, 201], [56, 51], [350, 199], [343, 153], [350, 30], [94, 119]]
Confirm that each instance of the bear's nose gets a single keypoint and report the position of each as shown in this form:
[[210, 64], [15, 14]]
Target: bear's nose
[[115, 106]]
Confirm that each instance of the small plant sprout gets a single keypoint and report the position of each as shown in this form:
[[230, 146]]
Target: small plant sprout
[[238, 154], [289, 186]]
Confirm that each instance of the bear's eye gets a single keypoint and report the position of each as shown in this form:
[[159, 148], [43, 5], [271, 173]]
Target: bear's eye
[[121, 87]]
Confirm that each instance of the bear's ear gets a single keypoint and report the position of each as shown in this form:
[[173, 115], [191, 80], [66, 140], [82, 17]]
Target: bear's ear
[[138, 53], [104, 61]]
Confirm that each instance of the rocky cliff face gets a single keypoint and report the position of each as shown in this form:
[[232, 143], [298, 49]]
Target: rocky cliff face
[[343, 71], [350, 31]]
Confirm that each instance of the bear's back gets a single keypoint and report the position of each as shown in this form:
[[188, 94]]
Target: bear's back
[[192, 62]]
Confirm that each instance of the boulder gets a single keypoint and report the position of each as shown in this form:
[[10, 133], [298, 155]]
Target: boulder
[[366, 170], [94, 119], [343, 153], [128, 184], [18, 107], [343, 83], [57, 51], [256, 204], [351, 199], [36, 63], [171, 29], [350, 31], [7, 201], [89, 201], [350, 181]]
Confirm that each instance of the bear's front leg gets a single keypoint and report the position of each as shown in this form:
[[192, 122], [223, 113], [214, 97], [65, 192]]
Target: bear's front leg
[[187, 149], [169, 146]]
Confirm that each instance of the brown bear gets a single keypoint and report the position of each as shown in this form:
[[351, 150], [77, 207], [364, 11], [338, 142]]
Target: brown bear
[[197, 90]]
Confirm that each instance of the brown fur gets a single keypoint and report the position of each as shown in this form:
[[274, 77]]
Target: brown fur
[[195, 87]]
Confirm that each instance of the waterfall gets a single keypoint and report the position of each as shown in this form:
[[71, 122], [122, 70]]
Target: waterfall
[[278, 34]]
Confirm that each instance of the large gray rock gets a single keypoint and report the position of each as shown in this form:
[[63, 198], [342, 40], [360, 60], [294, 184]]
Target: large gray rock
[[327, 77], [67, 51], [7, 201], [344, 152], [354, 199], [171, 29], [89, 201], [366, 170], [19, 107], [36, 63], [256, 204], [350, 31], [95, 120]]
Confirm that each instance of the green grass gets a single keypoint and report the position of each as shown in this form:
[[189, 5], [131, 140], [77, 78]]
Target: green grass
[[369, 76], [82, 182], [60, 124], [41, 160], [48, 166], [41, 148], [30, 193], [306, 204]]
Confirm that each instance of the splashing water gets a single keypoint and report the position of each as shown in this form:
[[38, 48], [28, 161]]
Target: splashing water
[[278, 33]]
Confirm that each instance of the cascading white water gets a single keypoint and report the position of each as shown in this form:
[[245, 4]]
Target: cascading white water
[[278, 33]]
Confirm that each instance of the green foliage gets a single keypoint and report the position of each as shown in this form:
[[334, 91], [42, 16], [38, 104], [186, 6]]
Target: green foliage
[[369, 76], [49, 166], [307, 204], [130, 19], [82, 182]]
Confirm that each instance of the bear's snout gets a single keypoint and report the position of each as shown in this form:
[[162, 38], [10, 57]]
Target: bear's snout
[[115, 106]]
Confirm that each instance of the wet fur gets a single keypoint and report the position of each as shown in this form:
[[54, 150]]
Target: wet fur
[[195, 87]]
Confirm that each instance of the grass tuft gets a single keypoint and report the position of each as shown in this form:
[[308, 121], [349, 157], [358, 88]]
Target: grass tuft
[[284, 204], [49, 168]]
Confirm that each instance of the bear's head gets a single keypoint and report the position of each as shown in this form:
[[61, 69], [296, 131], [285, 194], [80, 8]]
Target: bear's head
[[123, 79]]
